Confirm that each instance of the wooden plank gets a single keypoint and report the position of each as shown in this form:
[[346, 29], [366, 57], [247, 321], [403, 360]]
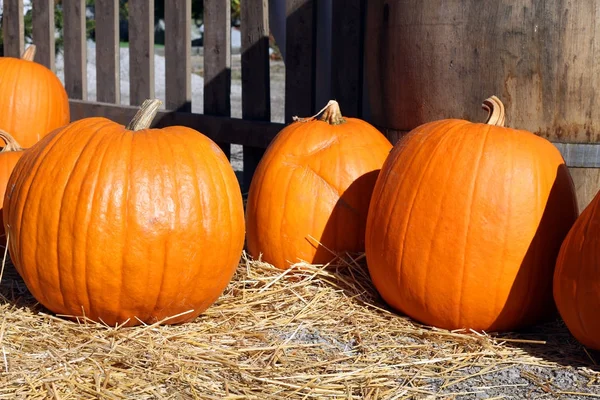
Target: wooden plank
[[587, 185], [300, 59], [13, 28], [256, 94], [178, 20], [219, 129], [43, 32], [75, 49], [347, 53], [141, 50], [217, 60], [108, 75]]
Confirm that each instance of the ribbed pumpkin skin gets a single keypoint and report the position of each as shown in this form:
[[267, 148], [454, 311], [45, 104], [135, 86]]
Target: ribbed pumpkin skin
[[315, 180], [577, 277], [33, 101], [465, 225], [116, 224], [8, 160]]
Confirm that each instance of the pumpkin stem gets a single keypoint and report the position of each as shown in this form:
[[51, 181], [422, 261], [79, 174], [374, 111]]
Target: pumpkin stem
[[29, 53], [495, 109], [331, 114], [11, 142], [143, 118]]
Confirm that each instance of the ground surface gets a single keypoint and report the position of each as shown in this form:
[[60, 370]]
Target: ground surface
[[309, 333]]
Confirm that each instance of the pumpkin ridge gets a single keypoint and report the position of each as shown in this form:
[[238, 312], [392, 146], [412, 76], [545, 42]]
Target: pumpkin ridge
[[473, 191], [577, 295], [36, 157], [72, 274], [160, 147], [415, 193], [509, 212], [426, 263], [396, 154]]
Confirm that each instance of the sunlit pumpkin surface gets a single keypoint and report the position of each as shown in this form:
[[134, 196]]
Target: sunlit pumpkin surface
[[124, 226], [466, 223], [33, 101], [310, 194]]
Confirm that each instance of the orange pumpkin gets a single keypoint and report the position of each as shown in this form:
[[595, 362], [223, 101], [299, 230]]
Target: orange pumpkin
[[310, 193], [577, 277], [33, 101], [125, 225], [466, 222], [10, 154]]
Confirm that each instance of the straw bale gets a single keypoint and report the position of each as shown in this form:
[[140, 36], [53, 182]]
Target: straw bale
[[308, 332]]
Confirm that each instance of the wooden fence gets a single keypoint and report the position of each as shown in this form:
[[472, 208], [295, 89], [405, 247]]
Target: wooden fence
[[254, 130]]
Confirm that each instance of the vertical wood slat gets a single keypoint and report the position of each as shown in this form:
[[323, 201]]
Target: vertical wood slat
[[43, 32], [178, 79], [347, 54], [13, 28], [108, 86], [300, 58], [256, 94], [141, 50], [217, 60], [75, 49]]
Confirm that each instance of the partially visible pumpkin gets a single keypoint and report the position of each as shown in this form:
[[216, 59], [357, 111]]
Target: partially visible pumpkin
[[33, 101], [466, 222], [9, 155], [310, 193], [577, 277], [125, 225]]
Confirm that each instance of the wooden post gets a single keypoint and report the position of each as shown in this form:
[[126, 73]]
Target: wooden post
[[13, 28], [141, 50], [256, 93], [75, 49], [300, 59], [43, 32], [178, 20], [347, 55], [217, 60], [108, 87]]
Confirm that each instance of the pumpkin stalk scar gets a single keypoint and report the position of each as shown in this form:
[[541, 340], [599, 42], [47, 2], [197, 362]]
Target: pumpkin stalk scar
[[143, 118], [11, 142], [495, 109], [29, 53], [331, 114]]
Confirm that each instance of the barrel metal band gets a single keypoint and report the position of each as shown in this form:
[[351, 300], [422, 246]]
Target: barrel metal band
[[580, 155]]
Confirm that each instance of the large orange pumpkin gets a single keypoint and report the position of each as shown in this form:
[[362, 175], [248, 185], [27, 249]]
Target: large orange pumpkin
[[9, 155], [125, 225], [310, 193], [33, 101], [577, 277], [466, 222]]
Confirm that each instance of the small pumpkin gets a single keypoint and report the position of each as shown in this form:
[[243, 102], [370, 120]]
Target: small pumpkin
[[33, 101], [466, 222], [125, 225], [9, 155], [310, 193], [577, 277]]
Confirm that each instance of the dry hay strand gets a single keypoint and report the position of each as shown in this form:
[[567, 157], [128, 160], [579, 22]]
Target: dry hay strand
[[307, 332]]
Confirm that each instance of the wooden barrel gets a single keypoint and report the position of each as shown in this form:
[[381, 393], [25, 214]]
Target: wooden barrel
[[435, 59]]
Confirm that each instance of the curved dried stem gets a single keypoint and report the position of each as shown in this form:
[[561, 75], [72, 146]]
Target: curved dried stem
[[29, 53], [495, 109], [11, 142], [331, 114], [143, 118]]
